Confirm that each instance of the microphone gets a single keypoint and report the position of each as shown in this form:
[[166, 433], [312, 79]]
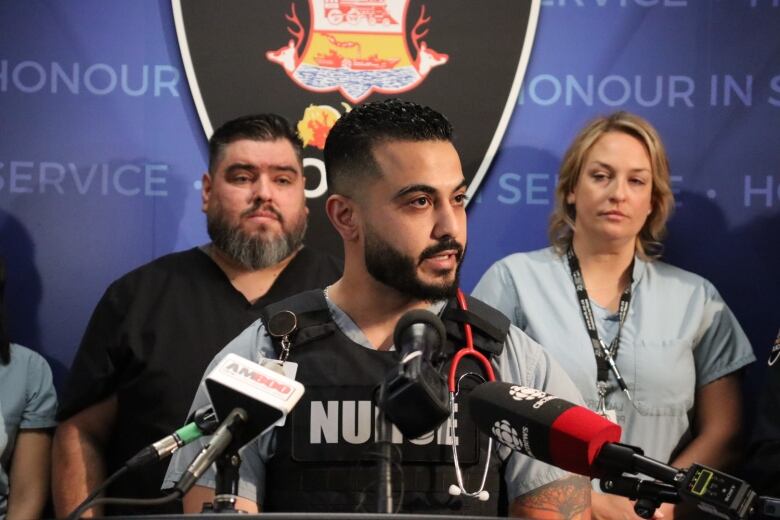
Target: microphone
[[222, 438], [542, 426], [251, 398], [573, 438], [266, 395], [202, 421], [414, 395], [419, 330]]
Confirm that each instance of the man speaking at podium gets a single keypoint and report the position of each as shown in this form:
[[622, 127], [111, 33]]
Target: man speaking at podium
[[397, 200]]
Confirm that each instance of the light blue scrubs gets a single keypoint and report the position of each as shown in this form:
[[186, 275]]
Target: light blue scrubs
[[522, 361], [27, 401], [678, 336]]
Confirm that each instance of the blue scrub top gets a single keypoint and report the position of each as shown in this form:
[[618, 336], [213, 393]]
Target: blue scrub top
[[27, 401], [678, 336]]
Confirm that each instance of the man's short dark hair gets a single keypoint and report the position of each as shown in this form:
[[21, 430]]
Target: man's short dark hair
[[256, 127], [349, 157]]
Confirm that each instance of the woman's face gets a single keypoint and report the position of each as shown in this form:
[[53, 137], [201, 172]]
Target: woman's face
[[613, 195]]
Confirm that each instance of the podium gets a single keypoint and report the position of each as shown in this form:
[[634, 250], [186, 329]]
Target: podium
[[300, 516]]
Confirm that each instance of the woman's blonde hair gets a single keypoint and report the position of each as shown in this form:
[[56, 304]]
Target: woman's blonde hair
[[648, 244]]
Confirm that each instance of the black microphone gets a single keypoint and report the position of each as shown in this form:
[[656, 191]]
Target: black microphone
[[414, 394], [222, 438], [419, 330], [202, 421]]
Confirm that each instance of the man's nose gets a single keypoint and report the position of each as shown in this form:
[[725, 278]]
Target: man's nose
[[447, 222], [261, 189]]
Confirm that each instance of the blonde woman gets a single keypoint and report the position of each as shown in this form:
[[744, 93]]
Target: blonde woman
[[600, 294]]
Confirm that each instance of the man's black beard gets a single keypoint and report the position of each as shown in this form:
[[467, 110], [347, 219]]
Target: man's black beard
[[394, 269], [253, 252]]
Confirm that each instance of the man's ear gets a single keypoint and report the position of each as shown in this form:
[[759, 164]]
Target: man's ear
[[344, 214], [205, 191]]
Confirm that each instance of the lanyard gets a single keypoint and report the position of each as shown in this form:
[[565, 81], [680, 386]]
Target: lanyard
[[605, 355]]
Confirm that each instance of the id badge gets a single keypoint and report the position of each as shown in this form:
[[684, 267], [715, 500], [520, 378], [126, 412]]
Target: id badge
[[286, 368], [610, 415]]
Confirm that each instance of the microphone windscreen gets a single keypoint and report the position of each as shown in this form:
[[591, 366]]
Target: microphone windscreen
[[577, 436], [542, 426], [266, 395], [419, 330]]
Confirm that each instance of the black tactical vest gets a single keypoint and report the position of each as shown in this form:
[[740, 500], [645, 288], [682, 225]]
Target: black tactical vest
[[325, 457]]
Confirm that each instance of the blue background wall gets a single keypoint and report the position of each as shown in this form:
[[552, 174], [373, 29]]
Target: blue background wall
[[101, 146]]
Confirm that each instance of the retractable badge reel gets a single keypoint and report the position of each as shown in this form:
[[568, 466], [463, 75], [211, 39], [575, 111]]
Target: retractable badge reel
[[281, 325]]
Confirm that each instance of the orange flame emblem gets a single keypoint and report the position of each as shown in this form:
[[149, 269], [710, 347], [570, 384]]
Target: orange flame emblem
[[316, 124]]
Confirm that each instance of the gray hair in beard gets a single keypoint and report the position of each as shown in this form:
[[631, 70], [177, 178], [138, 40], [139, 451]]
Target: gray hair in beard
[[254, 252]]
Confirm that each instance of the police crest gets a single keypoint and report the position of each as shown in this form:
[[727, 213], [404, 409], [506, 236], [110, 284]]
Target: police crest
[[357, 47]]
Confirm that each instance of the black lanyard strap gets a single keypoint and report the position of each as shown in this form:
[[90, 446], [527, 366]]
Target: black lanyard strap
[[605, 355]]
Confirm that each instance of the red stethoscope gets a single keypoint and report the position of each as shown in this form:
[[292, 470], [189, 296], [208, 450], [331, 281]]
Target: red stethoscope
[[453, 382]]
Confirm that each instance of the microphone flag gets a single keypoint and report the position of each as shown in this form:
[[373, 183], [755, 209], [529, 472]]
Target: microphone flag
[[266, 395], [542, 426]]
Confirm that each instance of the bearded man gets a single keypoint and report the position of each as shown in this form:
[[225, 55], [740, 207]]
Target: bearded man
[[398, 202], [156, 328]]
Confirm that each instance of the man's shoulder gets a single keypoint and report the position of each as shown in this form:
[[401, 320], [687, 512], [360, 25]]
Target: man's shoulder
[[172, 264], [309, 269], [529, 364], [487, 312], [172, 274], [307, 305], [309, 259]]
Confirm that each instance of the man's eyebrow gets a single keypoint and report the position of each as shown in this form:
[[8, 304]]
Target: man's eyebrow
[[252, 168], [285, 168], [241, 166], [425, 188], [413, 188]]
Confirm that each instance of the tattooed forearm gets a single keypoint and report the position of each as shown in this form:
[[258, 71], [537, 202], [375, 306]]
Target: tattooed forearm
[[568, 498]]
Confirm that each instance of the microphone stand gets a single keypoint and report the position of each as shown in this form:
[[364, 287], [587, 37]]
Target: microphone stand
[[222, 448], [712, 491], [649, 495], [226, 490], [384, 434]]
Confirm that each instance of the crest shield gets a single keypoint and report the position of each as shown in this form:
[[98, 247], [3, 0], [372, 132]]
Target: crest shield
[[357, 47], [312, 60]]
